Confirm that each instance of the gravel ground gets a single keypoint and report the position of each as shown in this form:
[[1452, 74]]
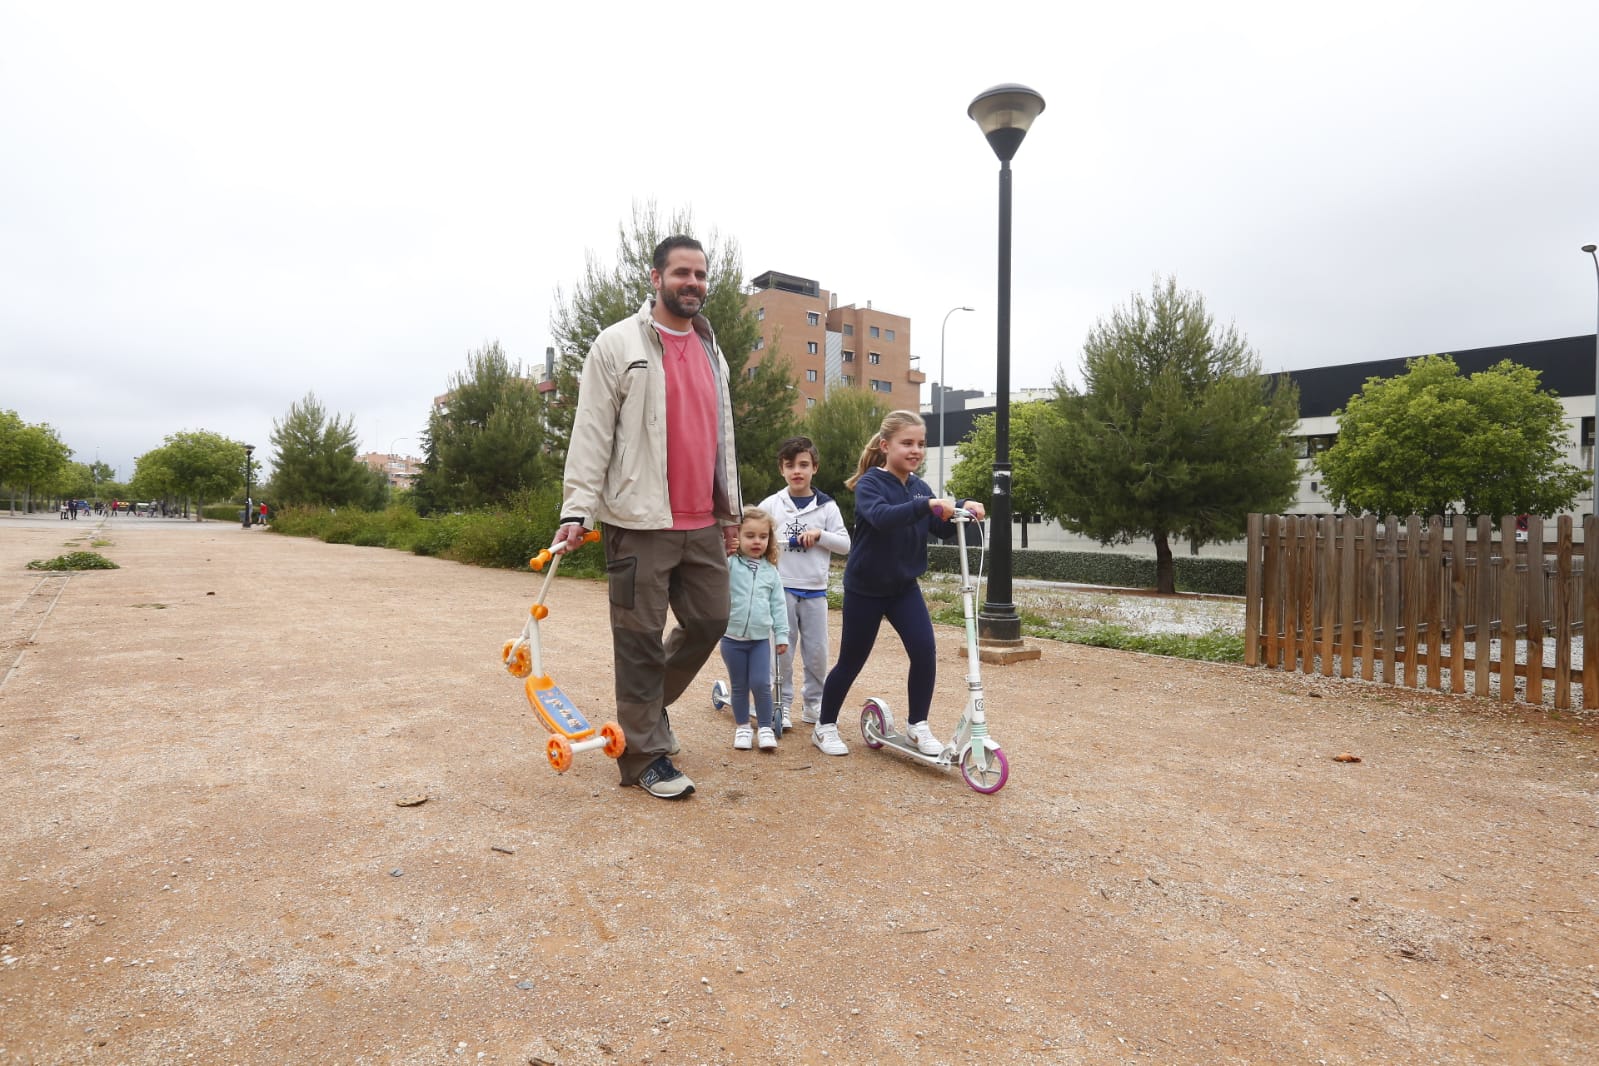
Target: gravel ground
[[211, 761]]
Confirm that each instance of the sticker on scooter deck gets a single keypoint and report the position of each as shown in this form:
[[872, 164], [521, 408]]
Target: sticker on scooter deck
[[559, 713]]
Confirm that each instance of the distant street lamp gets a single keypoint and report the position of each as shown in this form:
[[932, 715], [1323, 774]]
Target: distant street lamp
[[943, 395], [249, 450], [1004, 114], [1590, 248]]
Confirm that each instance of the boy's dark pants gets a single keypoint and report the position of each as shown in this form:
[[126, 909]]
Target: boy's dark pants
[[648, 570]]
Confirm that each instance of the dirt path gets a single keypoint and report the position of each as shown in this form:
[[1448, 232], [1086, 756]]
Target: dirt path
[[203, 859]]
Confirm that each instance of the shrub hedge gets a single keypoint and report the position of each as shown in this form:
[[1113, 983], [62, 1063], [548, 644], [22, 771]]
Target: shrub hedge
[[1223, 577], [506, 536]]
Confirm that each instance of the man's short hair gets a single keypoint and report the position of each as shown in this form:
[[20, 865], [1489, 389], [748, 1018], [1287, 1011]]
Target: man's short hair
[[792, 448], [679, 240]]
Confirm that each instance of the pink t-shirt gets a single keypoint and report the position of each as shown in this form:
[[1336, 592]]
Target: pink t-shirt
[[691, 432]]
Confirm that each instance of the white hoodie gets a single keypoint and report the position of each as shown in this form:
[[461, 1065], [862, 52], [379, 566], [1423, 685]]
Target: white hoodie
[[801, 567]]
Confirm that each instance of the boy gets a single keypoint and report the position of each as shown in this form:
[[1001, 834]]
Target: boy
[[809, 527]]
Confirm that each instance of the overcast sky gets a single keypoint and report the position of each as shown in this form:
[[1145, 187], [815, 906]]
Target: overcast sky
[[209, 209]]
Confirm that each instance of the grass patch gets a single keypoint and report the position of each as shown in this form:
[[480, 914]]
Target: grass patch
[[75, 561], [99, 544]]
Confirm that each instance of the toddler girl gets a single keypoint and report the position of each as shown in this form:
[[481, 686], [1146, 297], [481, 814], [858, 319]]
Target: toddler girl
[[758, 617]]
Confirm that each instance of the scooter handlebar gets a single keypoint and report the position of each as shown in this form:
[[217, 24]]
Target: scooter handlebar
[[546, 554]]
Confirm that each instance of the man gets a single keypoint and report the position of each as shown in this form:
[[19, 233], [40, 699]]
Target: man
[[652, 457]]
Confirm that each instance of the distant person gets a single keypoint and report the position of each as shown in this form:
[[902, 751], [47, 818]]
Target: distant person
[[810, 531], [263, 513], [758, 619], [651, 456], [894, 510]]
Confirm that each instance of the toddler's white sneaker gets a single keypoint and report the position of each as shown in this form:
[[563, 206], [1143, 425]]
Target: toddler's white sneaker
[[742, 736]]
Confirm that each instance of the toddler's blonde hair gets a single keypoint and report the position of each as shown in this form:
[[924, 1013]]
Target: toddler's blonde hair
[[755, 514]]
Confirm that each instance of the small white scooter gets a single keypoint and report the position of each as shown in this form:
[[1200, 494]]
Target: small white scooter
[[981, 761]]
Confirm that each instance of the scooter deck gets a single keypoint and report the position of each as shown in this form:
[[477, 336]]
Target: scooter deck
[[560, 714]]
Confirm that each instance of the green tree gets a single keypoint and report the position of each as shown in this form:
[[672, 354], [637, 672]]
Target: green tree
[[32, 457], [194, 465], [1430, 440], [839, 426], [1175, 433], [315, 463], [762, 401], [486, 441], [972, 476]]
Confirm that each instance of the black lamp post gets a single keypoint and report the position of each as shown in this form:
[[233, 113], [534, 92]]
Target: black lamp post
[[249, 450], [1004, 114], [1590, 249]]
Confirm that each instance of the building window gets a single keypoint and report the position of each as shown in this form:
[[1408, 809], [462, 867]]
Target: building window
[[882, 386], [890, 334], [849, 357], [849, 330], [810, 375], [752, 371], [760, 342], [760, 314], [848, 380], [810, 401], [875, 358], [810, 347], [874, 332], [813, 318]]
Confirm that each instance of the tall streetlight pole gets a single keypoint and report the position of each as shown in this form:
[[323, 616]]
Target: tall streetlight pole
[[1004, 114], [1590, 249], [943, 395], [249, 450]]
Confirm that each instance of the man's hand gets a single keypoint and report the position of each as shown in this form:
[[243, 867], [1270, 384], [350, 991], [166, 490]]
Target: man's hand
[[978, 511], [730, 538], [569, 537]]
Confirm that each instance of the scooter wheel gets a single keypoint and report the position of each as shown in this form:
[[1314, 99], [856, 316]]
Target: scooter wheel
[[720, 696], [615, 743], [559, 751], [874, 724], [985, 780]]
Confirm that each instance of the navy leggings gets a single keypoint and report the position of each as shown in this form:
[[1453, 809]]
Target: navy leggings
[[863, 616]]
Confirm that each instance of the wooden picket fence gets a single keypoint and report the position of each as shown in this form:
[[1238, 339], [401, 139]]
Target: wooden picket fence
[[1444, 605]]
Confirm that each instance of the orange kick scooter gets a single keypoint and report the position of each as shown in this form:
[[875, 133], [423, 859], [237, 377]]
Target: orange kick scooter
[[570, 732]]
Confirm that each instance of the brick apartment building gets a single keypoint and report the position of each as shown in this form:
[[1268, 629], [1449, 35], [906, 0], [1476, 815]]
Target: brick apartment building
[[830, 347], [401, 470]]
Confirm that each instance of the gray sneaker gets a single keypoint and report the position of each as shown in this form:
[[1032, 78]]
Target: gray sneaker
[[665, 781]]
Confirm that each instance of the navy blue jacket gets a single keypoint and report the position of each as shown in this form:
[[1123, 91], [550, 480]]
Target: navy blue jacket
[[888, 549]]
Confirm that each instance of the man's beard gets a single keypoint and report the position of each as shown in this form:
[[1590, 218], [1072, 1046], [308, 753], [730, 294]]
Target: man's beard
[[675, 304]]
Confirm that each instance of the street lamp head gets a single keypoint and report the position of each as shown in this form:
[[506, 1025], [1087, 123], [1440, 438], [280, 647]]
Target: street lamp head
[[249, 450], [1589, 248], [1004, 114]]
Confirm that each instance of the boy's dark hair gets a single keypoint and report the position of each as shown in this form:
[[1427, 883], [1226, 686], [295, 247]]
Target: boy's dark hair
[[790, 449], [680, 240]]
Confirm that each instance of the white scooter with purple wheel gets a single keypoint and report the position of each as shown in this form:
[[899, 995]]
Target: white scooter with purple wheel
[[982, 763]]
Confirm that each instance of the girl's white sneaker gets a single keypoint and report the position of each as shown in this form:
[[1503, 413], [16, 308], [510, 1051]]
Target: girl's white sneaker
[[827, 739], [926, 743], [742, 736], [766, 738]]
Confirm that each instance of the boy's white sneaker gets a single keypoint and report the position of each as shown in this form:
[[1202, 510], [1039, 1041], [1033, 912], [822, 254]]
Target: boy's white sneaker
[[926, 743], [811, 715], [827, 739], [788, 723], [742, 736], [766, 738]]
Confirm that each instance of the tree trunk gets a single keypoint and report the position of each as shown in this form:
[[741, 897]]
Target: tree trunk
[[1165, 571]]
